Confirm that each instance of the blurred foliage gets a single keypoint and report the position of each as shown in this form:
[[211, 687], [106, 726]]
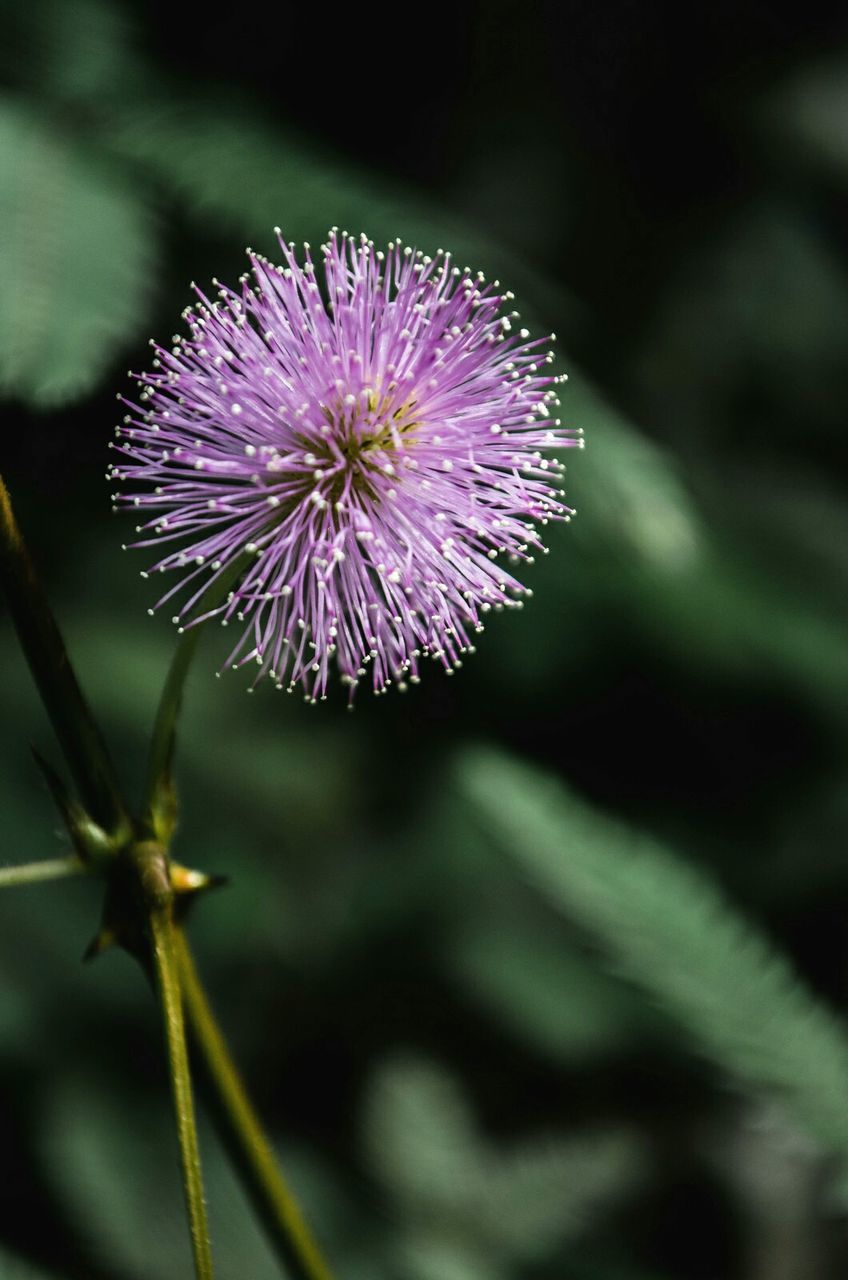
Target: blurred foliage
[[569, 1003], [469, 1208], [667, 929], [76, 255]]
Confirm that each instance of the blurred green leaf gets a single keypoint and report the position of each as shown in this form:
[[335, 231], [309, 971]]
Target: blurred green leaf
[[76, 253], [420, 1136], [668, 928], [112, 1159], [12, 1268], [735, 618], [758, 317], [81, 52], [469, 1199], [115, 1168], [707, 603], [807, 109], [630, 496], [427, 1255], [538, 985], [230, 166]]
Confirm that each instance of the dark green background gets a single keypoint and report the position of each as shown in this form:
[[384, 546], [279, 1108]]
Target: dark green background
[[465, 1079]]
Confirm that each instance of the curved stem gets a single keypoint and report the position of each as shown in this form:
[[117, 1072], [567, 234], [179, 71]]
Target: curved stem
[[48, 869], [158, 792], [41, 641], [242, 1132], [168, 710], [168, 980]]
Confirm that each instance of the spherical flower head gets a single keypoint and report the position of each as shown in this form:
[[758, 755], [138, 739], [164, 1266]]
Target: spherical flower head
[[341, 458]]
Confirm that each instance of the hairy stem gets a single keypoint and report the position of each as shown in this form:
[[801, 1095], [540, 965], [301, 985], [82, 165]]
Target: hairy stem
[[163, 939], [48, 869], [41, 641], [251, 1152]]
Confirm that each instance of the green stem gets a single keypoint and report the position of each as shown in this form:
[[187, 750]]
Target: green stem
[[159, 796], [163, 937], [79, 736], [168, 710], [35, 872], [251, 1152]]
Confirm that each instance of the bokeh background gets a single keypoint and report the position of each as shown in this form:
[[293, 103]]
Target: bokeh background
[[501, 1028]]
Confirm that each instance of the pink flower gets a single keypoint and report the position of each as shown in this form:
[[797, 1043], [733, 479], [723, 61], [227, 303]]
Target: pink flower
[[370, 437]]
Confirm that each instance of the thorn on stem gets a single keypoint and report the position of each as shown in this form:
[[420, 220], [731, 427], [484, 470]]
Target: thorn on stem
[[102, 941]]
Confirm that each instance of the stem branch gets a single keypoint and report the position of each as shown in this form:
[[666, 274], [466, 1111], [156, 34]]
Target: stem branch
[[48, 869], [170, 700], [273, 1202], [167, 713], [41, 641], [167, 974]]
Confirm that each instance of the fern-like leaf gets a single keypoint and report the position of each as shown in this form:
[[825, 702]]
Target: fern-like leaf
[[225, 162], [76, 246], [669, 929], [456, 1188]]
